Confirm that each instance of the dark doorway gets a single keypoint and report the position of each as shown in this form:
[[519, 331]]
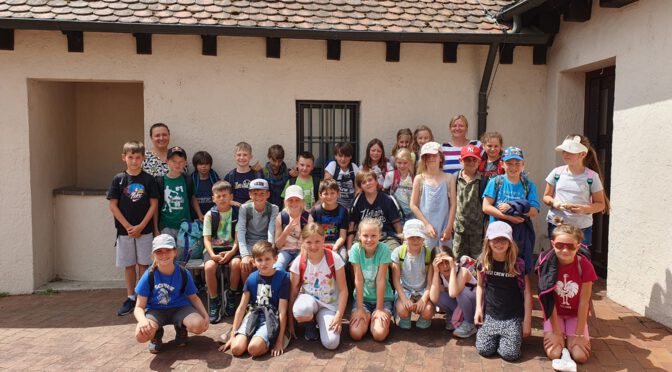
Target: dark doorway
[[598, 127]]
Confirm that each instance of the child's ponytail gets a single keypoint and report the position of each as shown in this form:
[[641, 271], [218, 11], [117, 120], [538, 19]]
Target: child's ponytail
[[591, 162]]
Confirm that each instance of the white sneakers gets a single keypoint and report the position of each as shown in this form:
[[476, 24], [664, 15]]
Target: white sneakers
[[565, 363]]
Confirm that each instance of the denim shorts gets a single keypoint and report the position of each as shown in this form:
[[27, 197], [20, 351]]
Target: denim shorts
[[260, 331], [370, 307]]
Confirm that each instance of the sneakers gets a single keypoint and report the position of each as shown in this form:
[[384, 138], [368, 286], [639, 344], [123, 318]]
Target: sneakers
[[449, 323], [156, 343], [127, 307], [229, 302], [565, 363], [423, 323], [405, 323], [465, 330], [215, 310], [181, 336], [311, 333]]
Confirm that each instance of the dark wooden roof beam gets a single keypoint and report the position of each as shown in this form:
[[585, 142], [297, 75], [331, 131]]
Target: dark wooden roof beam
[[392, 51], [6, 39], [578, 11], [334, 50], [506, 54], [615, 3], [143, 43], [450, 52], [75, 41], [209, 45], [272, 47], [539, 53]]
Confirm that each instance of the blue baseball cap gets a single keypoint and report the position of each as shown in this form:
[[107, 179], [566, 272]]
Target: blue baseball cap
[[513, 153]]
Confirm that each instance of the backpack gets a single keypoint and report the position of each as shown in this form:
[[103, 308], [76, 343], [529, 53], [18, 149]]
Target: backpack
[[249, 209], [316, 186], [276, 282], [183, 272], [216, 217], [284, 218], [396, 180], [351, 171], [402, 255], [190, 240], [196, 179], [591, 176], [499, 180], [303, 262]]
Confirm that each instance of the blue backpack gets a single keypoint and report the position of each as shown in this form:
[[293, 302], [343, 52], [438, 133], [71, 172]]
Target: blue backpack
[[190, 241]]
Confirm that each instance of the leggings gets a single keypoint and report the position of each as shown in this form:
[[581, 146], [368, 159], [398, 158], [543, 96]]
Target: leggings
[[466, 300], [503, 337], [306, 305]]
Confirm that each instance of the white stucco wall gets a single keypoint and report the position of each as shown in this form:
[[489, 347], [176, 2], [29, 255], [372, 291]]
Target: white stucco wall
[[637, 40], [213, 102]]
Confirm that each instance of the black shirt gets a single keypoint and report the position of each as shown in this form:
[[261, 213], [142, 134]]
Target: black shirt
[[133, 193], [332, 221], [503, 295]]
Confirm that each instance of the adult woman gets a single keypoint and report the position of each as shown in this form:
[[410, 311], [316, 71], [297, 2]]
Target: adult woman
[[155, 160], [458, 138]]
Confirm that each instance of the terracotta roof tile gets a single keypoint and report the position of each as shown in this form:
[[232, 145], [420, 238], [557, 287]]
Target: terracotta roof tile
[[398, 16]]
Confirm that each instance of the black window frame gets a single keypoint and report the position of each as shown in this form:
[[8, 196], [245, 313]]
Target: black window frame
[[304, 136]]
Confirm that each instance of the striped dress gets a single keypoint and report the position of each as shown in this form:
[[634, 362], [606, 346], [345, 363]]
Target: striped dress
[[451, 154]]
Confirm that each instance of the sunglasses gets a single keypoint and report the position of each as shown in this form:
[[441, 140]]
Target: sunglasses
[[567, 246]]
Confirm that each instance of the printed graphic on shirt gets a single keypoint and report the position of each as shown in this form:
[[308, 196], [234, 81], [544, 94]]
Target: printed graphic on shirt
[[370, 273], [566, 290], [163, 291], [135, 191], [242, 185], [173, 199], [264, 294], [322, 285]]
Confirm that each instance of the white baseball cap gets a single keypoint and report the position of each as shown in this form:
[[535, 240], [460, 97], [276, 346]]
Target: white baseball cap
[[499, 229], [163, 241], [430, 148], [294, 191]]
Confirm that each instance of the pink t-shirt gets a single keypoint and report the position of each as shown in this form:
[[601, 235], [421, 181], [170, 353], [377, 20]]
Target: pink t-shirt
[[568, 286]]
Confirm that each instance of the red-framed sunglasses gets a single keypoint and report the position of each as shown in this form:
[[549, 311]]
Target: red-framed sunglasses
[[567, 246]]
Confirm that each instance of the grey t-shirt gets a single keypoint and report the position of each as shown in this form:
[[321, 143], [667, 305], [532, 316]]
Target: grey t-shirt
[[413, 270], [259, 227]]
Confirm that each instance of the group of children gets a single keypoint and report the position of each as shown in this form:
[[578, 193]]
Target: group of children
[[406, 234]]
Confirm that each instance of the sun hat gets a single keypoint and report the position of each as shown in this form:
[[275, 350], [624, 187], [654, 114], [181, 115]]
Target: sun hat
[[572, 145], [414, 227]]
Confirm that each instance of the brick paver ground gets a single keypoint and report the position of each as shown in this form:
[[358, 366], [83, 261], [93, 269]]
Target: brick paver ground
[[80, 331]]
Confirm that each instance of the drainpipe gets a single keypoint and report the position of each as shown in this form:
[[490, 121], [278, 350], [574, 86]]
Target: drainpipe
[[483, 91], [517, 23]]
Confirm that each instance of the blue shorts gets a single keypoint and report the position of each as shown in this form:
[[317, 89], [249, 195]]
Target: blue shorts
[[370, 307], [587, 234]]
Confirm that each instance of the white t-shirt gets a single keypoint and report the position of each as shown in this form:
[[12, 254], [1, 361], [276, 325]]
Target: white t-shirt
[[331, 168], [318, 281], [573, 189]]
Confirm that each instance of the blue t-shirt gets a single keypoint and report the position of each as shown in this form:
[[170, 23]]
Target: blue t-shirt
[[331, 221], [509, 191], [167, 291], [203, 193], [241, 184], [265, 294]]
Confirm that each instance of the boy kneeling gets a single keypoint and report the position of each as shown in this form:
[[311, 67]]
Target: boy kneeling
[[267, 292]]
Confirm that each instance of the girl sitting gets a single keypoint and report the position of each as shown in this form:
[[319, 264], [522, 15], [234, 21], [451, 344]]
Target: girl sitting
[[288, 226]]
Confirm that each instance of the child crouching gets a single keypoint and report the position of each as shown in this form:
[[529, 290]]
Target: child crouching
[[412, 274], [261, 326], [319, 290], [167, 295]]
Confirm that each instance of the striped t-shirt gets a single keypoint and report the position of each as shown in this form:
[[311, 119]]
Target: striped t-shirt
[[451, 154]]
